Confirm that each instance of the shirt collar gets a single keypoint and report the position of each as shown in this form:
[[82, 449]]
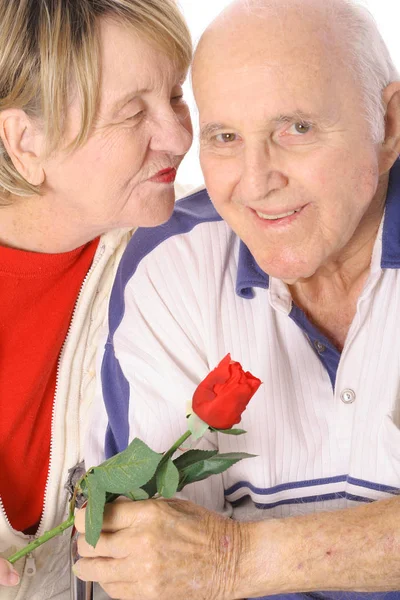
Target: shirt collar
[[390, 258], [251, 275]]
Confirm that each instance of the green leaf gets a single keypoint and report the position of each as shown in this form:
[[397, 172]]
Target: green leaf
[[167, 478], [136, 495], [111, 497], [210, 466], [187, 458], [192, 456], [82, 489], [230, 431], [95, 509], [151, 486], [128, 470]]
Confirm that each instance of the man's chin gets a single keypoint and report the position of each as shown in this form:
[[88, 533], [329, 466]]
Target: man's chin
[[291, 281], [289, 274]]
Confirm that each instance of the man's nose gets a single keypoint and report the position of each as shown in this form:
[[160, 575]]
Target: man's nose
[[262, 173], [172, 134]]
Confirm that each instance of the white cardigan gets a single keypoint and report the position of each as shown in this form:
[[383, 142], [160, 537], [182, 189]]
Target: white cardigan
[[74, 394]]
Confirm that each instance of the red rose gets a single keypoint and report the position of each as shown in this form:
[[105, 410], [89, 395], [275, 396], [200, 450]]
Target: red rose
[[223, 395]]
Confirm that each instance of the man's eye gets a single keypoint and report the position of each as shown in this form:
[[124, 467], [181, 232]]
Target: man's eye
[[226, 137], [177, 98], [300, 128]]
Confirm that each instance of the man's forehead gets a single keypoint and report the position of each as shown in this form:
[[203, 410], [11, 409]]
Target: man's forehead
[[263, 77], [274, 29], [266, 95]]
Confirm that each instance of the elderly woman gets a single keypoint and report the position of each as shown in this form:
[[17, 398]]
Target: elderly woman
[[93, 128]]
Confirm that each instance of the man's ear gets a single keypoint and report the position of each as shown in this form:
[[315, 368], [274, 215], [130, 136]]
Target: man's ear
[[22, 142], [391, 146]]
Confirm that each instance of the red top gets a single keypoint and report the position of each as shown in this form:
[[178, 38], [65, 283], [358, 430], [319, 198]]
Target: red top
[[38, 293]]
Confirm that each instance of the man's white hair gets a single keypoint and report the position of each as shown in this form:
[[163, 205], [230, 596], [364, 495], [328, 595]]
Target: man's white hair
[[369, 60], [367, 55]]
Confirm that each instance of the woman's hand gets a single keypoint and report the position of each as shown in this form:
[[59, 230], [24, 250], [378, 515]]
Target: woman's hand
[[161, 550], [8, 575]]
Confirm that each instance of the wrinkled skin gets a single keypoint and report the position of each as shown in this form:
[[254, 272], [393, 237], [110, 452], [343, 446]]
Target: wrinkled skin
[[179, 549]]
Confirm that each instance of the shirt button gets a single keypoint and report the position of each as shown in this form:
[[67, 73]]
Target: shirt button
[[348, 396], [319, 346]]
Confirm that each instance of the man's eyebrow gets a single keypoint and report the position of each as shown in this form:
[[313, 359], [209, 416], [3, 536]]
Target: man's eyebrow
[[322, 120], [209, 129], [316, 119], [297, 115]]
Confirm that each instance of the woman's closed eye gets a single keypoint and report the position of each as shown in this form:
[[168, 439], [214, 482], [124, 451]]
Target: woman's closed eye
[[136, 116], [177, 98]]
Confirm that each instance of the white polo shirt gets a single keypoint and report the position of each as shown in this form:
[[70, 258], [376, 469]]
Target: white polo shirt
[[325, 425]]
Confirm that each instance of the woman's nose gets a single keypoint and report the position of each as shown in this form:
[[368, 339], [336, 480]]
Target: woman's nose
[[173, 134]]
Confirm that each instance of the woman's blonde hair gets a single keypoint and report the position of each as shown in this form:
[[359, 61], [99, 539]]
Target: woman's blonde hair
[[48, 47]]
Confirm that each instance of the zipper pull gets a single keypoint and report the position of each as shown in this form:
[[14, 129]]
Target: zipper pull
[[30, 565]]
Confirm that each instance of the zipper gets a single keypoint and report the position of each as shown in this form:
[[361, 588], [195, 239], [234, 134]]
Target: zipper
[[96, 260], [30, 563], [7, 520]]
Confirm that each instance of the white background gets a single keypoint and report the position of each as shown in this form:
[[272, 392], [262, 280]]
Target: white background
[[199, 13]]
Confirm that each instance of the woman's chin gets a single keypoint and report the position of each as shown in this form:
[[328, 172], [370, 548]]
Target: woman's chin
[[151, 214]]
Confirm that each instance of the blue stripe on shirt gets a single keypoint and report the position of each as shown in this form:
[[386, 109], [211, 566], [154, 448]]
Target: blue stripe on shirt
[[188, 213]]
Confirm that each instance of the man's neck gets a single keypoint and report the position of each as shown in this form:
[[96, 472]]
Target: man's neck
[[330, 302], [339, 277], [329, 297]]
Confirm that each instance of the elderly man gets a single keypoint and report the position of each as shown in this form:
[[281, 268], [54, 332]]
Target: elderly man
[[300, 132]]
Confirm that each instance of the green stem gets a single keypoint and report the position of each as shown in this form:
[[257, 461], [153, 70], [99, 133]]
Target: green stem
[[42, 539], [175, 447], [70, 521]]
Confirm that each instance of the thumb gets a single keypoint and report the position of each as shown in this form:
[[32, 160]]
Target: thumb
[[8, 575]]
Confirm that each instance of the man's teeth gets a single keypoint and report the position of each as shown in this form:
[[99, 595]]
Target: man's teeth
[[276, 217]]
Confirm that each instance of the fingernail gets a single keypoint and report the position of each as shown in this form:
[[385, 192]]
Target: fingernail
[[13, 577], [75, 569]]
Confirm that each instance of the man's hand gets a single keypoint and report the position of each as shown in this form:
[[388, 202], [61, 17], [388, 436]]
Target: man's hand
[[162, 549], [8, 575]]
